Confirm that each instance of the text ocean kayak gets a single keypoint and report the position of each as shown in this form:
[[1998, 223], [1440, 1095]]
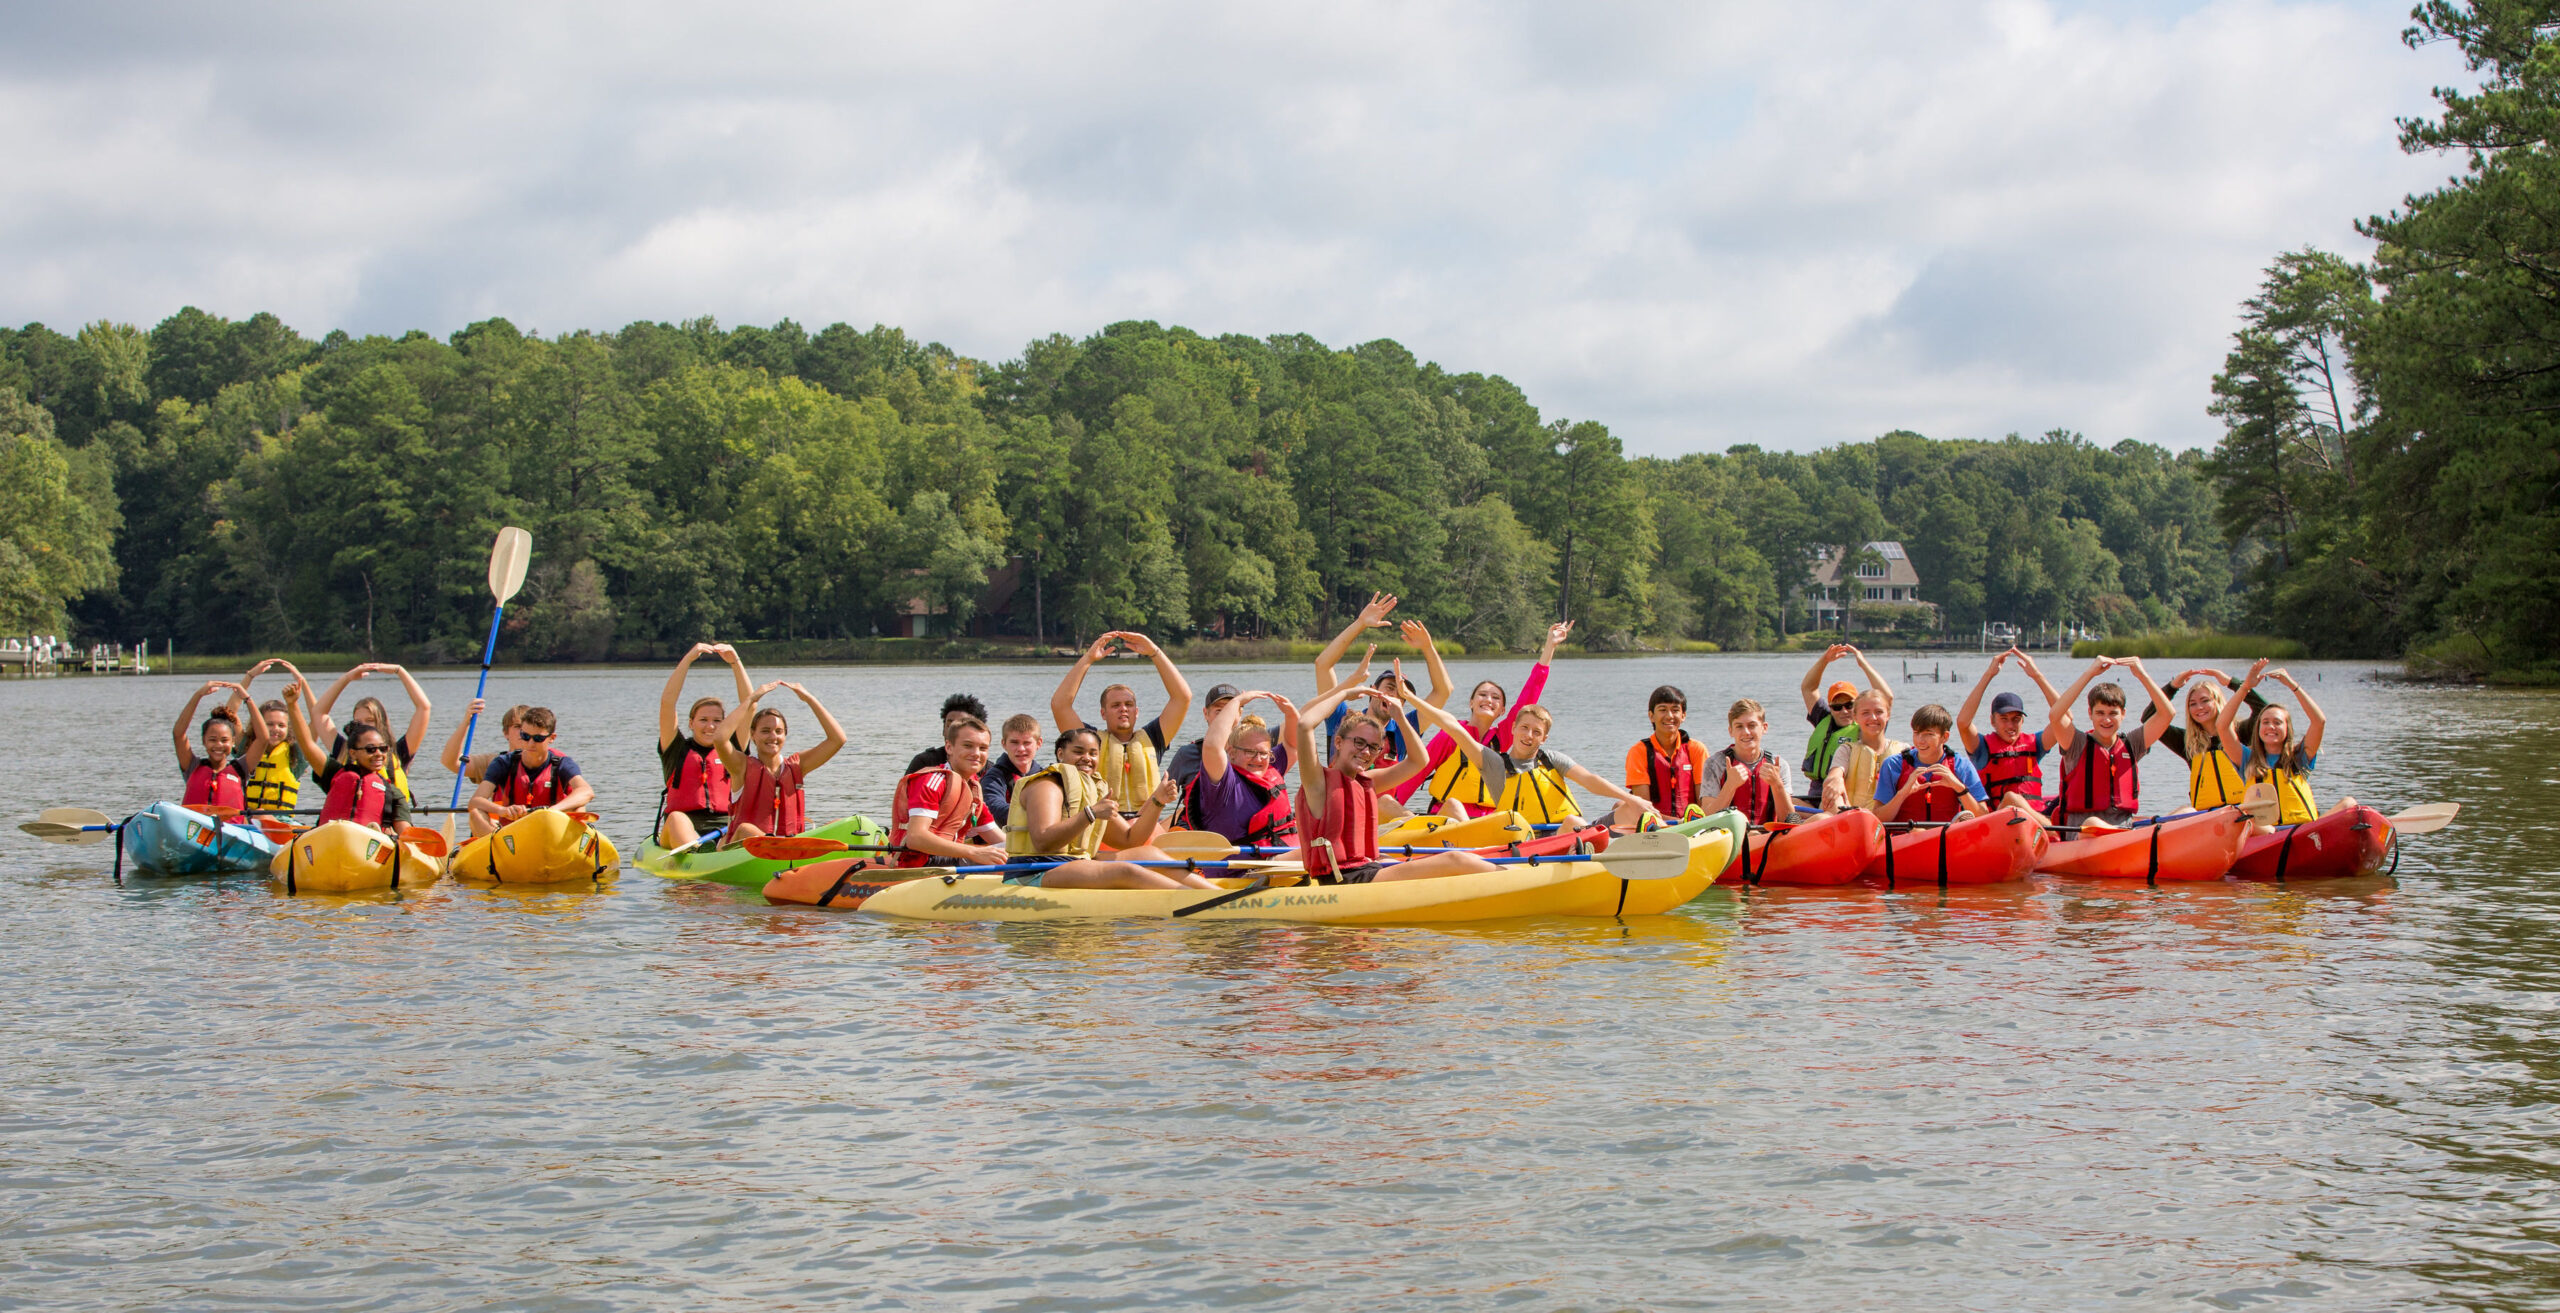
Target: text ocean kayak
[[744, 869], [2338, 846], [1829, 849], [2195, 846], [541, 847], [342, 857], [168, 838], [1996, 847]]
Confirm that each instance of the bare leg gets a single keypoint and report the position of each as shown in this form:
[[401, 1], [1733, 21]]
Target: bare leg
[[1118, 875], [1437, 864], [739, 834], [677, 832]]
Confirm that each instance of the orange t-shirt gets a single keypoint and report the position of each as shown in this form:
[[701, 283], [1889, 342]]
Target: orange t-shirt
[[1681, 776]]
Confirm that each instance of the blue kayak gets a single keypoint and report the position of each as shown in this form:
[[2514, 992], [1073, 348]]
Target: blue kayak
[[166, 838]]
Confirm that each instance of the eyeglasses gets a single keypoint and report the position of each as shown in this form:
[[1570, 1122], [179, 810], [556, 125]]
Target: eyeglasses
[[534, 738], [1365, 745]]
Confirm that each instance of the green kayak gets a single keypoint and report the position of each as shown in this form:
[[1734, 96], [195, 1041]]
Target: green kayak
[[739, 867]]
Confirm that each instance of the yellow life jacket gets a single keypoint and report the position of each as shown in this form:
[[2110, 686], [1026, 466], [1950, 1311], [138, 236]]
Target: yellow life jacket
[[2293, 791], [1539, 793], [1130, 769], [1858, 763], [2212, 781], [1457, 777], [1080, 791], [273, 785]]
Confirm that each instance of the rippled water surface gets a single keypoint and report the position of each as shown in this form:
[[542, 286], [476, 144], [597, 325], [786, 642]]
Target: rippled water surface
[[671, 1096]]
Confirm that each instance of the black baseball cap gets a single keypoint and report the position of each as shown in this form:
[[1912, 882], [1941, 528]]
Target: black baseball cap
[[1219, 693]]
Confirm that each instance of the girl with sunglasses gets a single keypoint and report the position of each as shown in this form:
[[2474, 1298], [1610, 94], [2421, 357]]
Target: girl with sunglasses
[[405, 746], [358, 783]]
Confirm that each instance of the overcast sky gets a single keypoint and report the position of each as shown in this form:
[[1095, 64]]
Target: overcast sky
[[1698, 223]]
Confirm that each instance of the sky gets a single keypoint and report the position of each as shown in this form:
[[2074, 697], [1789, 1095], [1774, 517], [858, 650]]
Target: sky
[[1699, 223]]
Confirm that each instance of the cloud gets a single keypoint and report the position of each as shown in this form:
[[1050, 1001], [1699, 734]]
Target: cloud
[[1698, 223]]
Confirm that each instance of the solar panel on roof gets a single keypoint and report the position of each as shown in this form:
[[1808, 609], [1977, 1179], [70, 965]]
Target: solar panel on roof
[[1890, 551]]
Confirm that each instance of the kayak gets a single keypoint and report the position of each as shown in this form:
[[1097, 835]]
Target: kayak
[[1828, 849], [744, 869], [1996, 847], [543, 846], [1713, 841], [2192, 846], [343, 857], [168, 838], [2338, 846]]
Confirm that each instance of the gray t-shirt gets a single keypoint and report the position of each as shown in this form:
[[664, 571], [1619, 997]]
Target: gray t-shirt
[[1717, 761], [1498, 766]]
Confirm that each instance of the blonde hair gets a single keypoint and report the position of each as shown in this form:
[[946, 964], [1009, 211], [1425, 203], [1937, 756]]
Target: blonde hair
[[1533, 711], [1247, 725], [1746, 709]]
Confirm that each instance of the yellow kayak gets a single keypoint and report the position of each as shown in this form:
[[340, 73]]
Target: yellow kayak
[[540, 847], [342, 857]]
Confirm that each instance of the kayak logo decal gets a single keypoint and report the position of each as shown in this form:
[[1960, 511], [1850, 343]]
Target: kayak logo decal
[[1291, 900], [1015, 902]]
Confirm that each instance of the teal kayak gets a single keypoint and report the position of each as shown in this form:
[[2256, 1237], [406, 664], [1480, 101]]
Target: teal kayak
[[739, 867], [167, 838]]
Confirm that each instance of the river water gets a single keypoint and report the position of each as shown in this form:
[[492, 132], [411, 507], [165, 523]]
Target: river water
[[661, 1095]]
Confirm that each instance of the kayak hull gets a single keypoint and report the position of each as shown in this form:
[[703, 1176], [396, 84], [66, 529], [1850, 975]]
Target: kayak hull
[[1829, 849], [1997, 847], [1524, 890], [737, 866], [540, 847], [342, 857], [168, 838], [2339, 846], [1712, 841], [2198, 846]]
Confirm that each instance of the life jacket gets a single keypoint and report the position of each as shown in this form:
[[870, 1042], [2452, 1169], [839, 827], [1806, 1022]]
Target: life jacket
[[1935, 803], [357, 795], [772, 801], [961, 801], [1819, 749], [1674, 782], [1537, 790], [1857, 764], [522, 788], [1273, 822], [1457, 777], [1077, 791], [1130, 769], [2013, 763], [272, 786], [2212, 781], [1759, 801], [399, 773], [2100, 779], [1346, 838], [2293, 790], [700, 783], [216, 786]]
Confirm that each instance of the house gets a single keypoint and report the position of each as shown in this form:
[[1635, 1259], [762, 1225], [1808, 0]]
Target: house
[[1890, 582]]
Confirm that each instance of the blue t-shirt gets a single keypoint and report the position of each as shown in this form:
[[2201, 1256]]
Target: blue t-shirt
[[1889, 774], [1403, 732], [2263, 760], [503, 767]]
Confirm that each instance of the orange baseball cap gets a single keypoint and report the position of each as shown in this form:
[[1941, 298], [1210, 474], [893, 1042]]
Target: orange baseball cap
[[1841, 689]]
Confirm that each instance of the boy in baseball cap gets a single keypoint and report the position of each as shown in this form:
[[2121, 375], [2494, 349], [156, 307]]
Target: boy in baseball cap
[[2009, 760]]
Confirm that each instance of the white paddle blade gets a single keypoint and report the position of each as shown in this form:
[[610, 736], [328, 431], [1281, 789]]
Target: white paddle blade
[[2260, 803], [1194, 844], [2425, 818], [1660, 855], [507, 562], [52, 832], [75, 816]]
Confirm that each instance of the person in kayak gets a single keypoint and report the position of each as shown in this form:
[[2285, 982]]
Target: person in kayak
[[2101, 782], [1667, 768], [1925, 782], [275, 778], [214, 775], [1832, 713], [696, 796], [361, 790], [1131, 754], [520, 780], [405, 746], [1185, 765], [2009, 760], [1852, 781], [1404, 732], [1338, 803], [471, 771], [1530, 779], [2213, 762], [2271, 756], [1457, 787], [772, 795], [940, 817], [1242, 790], [1745, 775], [1064, 815], [1020, 757]]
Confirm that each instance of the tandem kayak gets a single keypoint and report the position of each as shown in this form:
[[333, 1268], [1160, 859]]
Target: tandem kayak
[[342, 857], [2341, 845], [543, 846], [2194, 846], [168, 838], [1828, 849], [739, 867], [1996, 847]]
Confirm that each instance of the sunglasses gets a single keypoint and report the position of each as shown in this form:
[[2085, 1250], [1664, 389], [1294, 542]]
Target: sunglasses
[[533, 738], [373, 747]]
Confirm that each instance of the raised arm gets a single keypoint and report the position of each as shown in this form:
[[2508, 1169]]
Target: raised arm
[[1062, 702], [1875, 679], [2058, 726], [1177, 691], [2313, 723], [724, 740], [2229, 716], [1222, 726], [423, 711], [824, 752], [451, 757], [1812, 685], [669, 724], [2165, 709], [186, 721], [322, 718], [2027, 662], [1372, 616], [300, 727], [1442, 686], [1973, 703]]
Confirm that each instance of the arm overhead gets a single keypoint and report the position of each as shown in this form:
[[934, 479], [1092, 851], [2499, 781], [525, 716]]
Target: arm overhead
[[1812, 686], [670, 720], [1875, 678], [2165, 710], [1372, 616], [1441, 686], [1973, 703], [422, 710], [2314, 724], [1062, 701], [1177, 691], [2058, 726], [826, 751]]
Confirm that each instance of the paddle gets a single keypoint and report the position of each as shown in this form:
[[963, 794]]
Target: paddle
[[792, 847], [430, 842], [2425, 818], [1655, 855], [507, 560]]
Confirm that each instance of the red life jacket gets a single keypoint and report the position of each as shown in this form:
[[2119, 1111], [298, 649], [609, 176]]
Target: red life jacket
[[1673, 795], [2013, 764], [1935, 803], [1347, 837], [772, 801], [356, 795], [526, 789], [1759, 801], [2101, 779], [216, 786], [1271, 823], [701, 783], [962, 802]]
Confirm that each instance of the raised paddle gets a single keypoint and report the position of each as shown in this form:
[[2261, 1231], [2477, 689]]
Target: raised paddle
[[507, 561]]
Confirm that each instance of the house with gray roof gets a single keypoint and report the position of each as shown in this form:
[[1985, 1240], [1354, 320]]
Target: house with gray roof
[[1893, 581]]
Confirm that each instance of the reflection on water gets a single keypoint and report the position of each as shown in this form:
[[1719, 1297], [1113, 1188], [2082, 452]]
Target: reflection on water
[[655, 1094]]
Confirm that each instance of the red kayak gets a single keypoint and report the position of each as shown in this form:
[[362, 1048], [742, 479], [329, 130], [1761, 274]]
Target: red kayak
[[2338, 846], [1830, 849], [1996, 847], [2197, 846]]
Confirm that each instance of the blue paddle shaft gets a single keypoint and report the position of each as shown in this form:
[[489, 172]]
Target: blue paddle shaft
[[488, 653]]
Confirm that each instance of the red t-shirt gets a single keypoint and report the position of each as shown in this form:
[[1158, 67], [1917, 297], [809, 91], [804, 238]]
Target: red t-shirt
[[921, 799]]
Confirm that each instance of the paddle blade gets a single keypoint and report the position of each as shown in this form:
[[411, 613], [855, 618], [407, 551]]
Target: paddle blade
[[507, 562], [1197, 845], [582, 818], [791, 847], [75, 816], [2260, 803], [56, 832], [2425, 818], [276, 831], [1658, 855], [430, 842]]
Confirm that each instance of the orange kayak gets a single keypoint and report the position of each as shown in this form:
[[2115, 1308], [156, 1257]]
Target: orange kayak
[[2338, 846], [1830, 849], [2196, 846], [1996, 847]]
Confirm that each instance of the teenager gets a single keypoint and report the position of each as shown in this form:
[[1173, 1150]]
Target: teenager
[[771, 794], [1852, 781], [1667, 768], [2008, 760], [1533, 781], [2273, 756], [215, 777], [361, 790], [2213, 761], [1338, 797], [1457, 787], [940, 817], [697, 795], [1925, 782], [275, 776], [1131, 753], [509, 722], [955, 708], [1066, 815], [1242, 790], [522, 780], [405, 744], [1833, 715], [2101, 781], [1020, 757], [1745, 775]]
